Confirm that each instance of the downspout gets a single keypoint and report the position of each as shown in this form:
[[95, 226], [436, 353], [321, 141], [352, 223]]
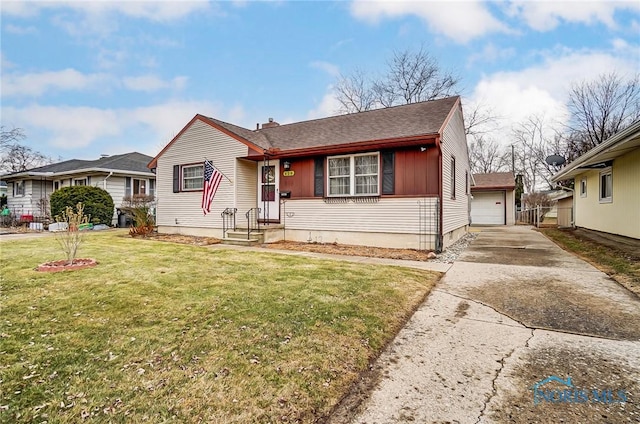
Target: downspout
[[440, 236], [104, 182]]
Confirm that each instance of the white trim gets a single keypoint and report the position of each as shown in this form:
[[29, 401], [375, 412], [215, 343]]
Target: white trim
[[605, 172], [352, 175], [583, 187], [182, 177]]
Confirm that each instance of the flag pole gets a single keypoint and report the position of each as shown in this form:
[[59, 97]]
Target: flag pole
[[229, 179]]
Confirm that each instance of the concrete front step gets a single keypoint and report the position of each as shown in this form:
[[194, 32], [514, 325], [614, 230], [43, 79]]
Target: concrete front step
[[242, 235], [240, 241]]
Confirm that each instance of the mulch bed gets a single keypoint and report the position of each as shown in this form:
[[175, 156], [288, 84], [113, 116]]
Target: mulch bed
[[182, 239], [64, 265], [352, 250]]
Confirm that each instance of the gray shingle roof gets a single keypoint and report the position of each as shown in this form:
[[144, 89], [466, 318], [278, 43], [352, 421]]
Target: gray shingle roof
[[132, 162], [424, 118]]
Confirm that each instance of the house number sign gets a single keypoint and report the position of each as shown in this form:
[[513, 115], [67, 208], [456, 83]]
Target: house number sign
[[288, 173]]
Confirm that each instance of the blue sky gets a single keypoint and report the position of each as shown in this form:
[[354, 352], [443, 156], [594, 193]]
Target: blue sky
[[85, 78]]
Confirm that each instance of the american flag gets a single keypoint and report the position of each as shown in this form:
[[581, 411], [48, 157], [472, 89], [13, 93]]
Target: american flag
[[212, 178]]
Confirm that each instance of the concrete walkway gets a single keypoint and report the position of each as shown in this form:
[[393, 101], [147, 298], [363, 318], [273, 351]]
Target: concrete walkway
[[514, 310]]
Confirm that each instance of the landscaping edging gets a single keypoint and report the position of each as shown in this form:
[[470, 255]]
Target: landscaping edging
[[64, 265]]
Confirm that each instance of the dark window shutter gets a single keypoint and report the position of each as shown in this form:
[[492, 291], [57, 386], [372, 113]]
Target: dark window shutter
[[176, 178], [127, 186], [318, 178], [388, 178], [89, 180]]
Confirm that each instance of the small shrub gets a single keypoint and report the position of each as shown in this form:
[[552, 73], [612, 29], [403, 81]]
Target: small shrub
[[98, 204], [71, 237], [139, 207]]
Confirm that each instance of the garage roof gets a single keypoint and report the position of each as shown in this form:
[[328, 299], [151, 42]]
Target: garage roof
[[494, 180]]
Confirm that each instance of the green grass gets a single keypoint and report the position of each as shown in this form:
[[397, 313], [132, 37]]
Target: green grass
[[161, 332], [610, 261]]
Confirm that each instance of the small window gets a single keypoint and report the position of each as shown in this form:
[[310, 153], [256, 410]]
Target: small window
[[355, 175], [192, 177], [453, 177], [606, 186], [18, 188], [466, 182], [583, 187], [56, 185], [152, 187], [139, 186], [80, 182]]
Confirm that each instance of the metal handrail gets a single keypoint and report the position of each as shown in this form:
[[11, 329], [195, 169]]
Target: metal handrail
[[228, 220], [252, 218]]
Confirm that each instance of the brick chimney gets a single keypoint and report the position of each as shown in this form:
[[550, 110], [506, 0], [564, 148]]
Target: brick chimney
[[270, 124]]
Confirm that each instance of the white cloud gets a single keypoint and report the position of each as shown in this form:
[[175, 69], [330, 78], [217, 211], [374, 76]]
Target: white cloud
[[327, 67], [154, 10], [69, 128], [150, 83], [491, 53], [543, 89], [328, 106], [547, 15], [20, 30], [36, 84], [460, 22]]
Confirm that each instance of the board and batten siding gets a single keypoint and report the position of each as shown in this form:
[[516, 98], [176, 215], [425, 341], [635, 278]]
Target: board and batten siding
[[348, 221], [454, 143], [620, 216], [196, 143]]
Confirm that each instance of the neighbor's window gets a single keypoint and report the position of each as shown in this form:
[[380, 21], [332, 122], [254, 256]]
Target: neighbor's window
[[354, 175], [80, 182], [192, 177], [18, 188], [583, 187], [466, 182], [453, 177], [152, 187], [606, 186], [139, 186]]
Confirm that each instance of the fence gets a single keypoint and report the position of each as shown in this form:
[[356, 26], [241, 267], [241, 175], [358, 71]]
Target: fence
[[19, 217], [547, 216]]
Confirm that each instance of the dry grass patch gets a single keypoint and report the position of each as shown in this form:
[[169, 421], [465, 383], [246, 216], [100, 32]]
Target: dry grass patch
[[167, 332], [352, 250], [621, 265]]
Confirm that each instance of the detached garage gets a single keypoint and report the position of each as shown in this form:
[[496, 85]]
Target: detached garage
[[493, 199]]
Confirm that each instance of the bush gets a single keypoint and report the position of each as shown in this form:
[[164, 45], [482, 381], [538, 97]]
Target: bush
[[98, 204]]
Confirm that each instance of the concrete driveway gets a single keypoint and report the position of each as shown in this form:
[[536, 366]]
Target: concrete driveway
[[518, 330]]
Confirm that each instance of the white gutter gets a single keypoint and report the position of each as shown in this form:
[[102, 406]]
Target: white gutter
[[76, 171], [104, 182]]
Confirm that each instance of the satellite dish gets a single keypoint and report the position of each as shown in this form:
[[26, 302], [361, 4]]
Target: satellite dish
[[555, 160]]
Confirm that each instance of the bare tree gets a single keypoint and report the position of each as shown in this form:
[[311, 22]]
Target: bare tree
[[410, 77], [15, 156], [10, 137], [534, 141], [487, 156], [355, 92], [601, 108]]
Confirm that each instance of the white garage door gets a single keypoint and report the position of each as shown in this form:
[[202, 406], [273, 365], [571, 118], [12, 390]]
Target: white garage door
[[487, 208]]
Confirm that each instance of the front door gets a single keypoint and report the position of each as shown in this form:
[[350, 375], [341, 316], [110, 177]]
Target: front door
[[268, 192]]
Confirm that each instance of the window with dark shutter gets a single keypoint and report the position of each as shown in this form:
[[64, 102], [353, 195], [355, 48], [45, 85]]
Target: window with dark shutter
[[127, 186], [318, 180], [388, 172], [176, 178]]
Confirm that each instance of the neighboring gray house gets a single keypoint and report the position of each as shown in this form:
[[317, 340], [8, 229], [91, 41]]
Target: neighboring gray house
[[28, 191]]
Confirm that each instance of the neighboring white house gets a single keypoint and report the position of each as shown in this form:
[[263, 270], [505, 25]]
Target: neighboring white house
[[393, 177], [607, 185], [28, 191], [493, 199]]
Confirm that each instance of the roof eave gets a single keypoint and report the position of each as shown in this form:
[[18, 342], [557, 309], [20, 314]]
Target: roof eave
[[593, 155]]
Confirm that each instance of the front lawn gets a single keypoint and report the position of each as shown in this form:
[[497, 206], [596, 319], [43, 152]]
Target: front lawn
[[162, 332]]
